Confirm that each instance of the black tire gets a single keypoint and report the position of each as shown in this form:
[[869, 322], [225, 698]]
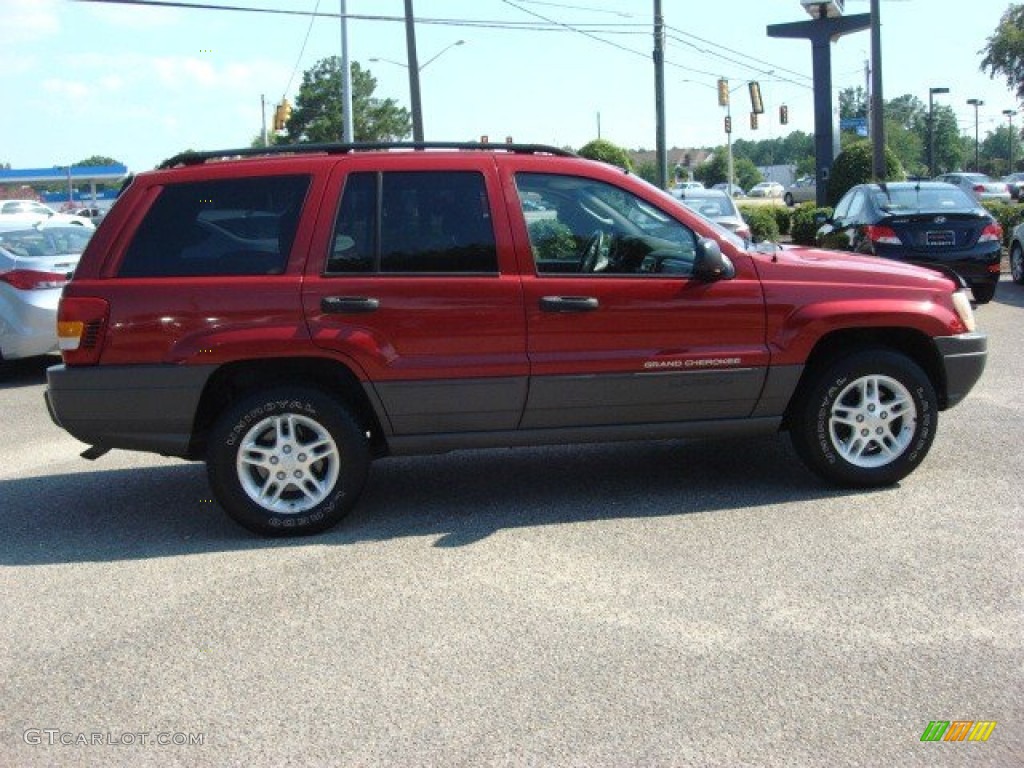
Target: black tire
[[1017, 263], [308, 491], [983, 292], [860, 409], [788, 200]]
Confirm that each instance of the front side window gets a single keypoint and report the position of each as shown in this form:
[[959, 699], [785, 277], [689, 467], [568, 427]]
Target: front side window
[[580, 225], [414, 222], [218, 227]]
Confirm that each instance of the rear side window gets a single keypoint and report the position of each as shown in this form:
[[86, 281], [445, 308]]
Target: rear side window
[[414, 222], [218, 227]]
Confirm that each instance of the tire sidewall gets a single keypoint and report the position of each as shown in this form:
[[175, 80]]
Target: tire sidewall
[[1017, 264], [231, 429], [813, 437]]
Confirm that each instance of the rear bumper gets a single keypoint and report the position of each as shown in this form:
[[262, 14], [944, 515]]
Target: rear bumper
[[963, 359], [137, 407]]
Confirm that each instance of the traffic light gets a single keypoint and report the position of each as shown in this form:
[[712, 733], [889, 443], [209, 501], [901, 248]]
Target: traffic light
[[282, 112], [723, 92], [783, 114], [753, 121], [756, 104], [728, 124]]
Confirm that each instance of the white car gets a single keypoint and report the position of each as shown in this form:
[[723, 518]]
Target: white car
[[36, 261], [30, 212], [766, 189], [979, 185]]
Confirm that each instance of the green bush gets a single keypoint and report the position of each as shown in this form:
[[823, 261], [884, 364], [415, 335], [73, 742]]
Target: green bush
[[804, 228], [853, 167], [783, 219], [762, 222], [606, 152]]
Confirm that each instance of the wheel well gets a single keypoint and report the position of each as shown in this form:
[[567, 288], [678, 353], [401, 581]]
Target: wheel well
[[235, 381], [915, 345]]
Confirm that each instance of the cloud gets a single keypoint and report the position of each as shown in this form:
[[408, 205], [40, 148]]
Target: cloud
[[28, 21]]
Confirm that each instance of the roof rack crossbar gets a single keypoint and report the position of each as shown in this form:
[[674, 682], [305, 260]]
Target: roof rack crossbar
[[198, 158]]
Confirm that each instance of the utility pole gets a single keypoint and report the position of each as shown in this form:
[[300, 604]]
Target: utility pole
[[659, 95], [414, 73], [347, 134]]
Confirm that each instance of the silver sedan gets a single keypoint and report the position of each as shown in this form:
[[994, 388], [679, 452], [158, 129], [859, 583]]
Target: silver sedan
[[35, 263]]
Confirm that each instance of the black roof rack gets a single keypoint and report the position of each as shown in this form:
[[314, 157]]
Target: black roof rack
[[198, 158]]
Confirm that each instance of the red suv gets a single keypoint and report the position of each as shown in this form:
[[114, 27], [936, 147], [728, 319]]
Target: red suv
[[292, 316]]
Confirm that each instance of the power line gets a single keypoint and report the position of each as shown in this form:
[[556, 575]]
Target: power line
[[298, 61]]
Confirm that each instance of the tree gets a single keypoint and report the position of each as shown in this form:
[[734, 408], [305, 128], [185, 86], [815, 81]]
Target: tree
[[853, 102], [606, 152], [853, 166], [1004, 52], [716, 170], [95, 161], [317, 116]]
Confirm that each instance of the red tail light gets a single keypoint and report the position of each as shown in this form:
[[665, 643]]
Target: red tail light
[[33, 279], [991, 232], [979, 187], [879, 234], [81, 323]]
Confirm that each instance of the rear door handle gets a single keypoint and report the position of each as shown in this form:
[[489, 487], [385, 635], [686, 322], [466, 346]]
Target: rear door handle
[[339, 305], [568, 303]]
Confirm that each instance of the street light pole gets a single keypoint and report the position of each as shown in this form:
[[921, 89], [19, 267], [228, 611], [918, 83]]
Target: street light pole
[[1009, 117], [931, 127], [976, 103], [414, 73]]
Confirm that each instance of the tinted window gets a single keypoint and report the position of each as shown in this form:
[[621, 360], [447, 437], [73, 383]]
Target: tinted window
[[414, 222], [220, 227]]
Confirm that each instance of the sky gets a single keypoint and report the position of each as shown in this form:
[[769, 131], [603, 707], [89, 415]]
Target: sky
[[140, 84]]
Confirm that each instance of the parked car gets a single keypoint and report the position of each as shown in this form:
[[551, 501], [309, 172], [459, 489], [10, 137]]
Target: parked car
[[1017, 254], [682, 186], [716, 205], [288, 318], [929, 223], [35, 263], [735, 191], [803, 190], [30, 212], [1014, 182], [95, 215], [766, 189], [980, 186]]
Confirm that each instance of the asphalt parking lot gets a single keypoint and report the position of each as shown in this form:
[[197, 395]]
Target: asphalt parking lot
[[668, 603]]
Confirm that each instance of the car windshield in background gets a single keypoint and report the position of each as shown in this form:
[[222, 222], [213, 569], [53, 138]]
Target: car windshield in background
[[931, 198], [51, 241]]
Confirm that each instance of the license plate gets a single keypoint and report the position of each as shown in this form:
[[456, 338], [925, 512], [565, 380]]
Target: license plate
[[942, 237]]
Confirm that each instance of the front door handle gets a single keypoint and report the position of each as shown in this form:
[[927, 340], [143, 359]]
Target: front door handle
[[340, 305], [568, 303]]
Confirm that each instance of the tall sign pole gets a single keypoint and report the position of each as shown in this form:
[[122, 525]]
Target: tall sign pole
[[822, 30], [877, 103]]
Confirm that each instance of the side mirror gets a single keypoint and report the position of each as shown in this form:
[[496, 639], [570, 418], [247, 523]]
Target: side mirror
[[710, 263], [820, 219]]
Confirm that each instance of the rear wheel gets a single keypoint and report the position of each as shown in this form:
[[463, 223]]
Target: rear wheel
[[788, 199], [867, 420], [1017, 263], [287, 461]]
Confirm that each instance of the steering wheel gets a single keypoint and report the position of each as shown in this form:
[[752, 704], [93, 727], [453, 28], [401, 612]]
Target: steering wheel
[[595, 253]]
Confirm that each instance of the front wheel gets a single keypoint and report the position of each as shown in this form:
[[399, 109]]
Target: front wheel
[[1017, 264], [867, 420], [287, 461], [788, 200]]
